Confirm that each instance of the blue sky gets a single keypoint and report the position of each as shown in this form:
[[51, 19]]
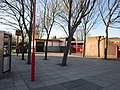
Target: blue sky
[[99, 30]]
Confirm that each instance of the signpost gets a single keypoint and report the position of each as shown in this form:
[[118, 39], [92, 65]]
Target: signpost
[[33, 52], [18, 33]]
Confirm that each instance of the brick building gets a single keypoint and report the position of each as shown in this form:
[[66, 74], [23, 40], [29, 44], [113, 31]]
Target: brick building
[[95, 47]]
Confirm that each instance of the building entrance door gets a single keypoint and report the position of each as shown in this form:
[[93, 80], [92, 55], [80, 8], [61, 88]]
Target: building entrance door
[[39, 46]]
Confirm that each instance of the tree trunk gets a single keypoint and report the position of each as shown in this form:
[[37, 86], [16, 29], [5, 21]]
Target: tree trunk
[[70, 51], [46, 47], [66, 51], [106, 43], [29, 51], [23, 47], [84, 45], [64, 60]]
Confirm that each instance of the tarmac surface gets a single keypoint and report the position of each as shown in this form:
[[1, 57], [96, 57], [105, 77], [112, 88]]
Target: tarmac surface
[[79, 74]]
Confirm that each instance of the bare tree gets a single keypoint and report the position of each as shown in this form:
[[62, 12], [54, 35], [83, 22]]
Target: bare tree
[[27, 16], [88, 23], [24, 8], [61, 24], [39, 28], [79, 33], [12, 17], [109, 11], [73, 12], [116, 19], [49, 15]]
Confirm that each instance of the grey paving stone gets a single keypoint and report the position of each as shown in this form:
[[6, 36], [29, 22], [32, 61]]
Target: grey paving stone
[[61, 80], [104, 89], [104, 84], [12, 88], [113, 87], [41, 88], [6, 84], [17, 78], [91, 79], [56, 76], [69, 85], [57, 87], [19, 82], [22, 87], [50, 82], [89, 86], [81, 82], [35, 84]]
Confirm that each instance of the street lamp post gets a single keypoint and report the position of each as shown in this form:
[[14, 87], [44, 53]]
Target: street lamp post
[[33, 52]]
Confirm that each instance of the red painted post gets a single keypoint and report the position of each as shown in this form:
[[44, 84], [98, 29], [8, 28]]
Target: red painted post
[[33, 52], [17, 50]]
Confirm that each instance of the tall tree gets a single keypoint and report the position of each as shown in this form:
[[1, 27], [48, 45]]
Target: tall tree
[[88, 23], [73, 12], [27, 17], [12, 17], [50, 12], [109, 10], [24, 8]]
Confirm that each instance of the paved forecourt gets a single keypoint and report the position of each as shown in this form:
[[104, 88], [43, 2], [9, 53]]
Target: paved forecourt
[[80, 74]]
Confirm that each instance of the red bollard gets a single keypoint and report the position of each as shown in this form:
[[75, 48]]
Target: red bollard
[[33, 67], [33, 52]]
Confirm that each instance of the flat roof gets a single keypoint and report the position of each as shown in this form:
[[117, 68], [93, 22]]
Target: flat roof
[[57, 40]]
